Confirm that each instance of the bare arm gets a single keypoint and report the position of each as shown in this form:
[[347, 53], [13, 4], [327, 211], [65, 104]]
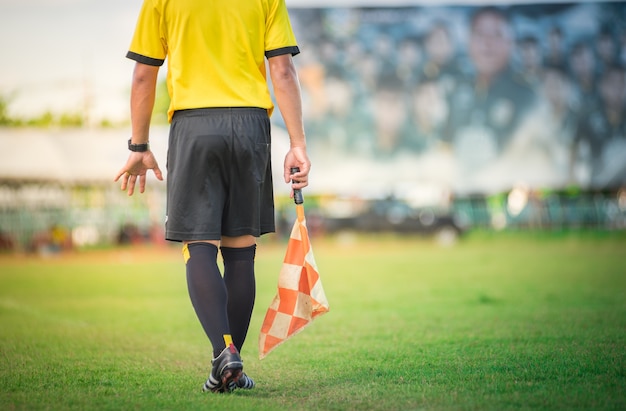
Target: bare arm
[[287, 92], [142, 95]]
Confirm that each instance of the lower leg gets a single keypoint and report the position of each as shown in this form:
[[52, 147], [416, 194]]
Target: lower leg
[[208, 293], [241, 288]]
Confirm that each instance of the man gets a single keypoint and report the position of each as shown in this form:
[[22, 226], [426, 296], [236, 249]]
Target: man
[[538, 152], [440, 62], [531, 65], [555, 55], [486, 107], [606, 48], [219, 186], [389, 115], [582, 67], [600, 145]]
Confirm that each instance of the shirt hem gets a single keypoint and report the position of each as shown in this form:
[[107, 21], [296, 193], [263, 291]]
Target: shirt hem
[[139, 58], [293, 50]]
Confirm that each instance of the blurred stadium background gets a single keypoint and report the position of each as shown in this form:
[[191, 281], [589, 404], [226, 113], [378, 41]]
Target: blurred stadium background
[[421, 118]]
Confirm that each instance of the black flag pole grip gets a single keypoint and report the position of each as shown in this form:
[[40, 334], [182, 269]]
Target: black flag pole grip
[[298, 198]]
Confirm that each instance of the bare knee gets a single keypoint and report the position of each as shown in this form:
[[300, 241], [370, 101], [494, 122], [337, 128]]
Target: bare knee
[[239, 242]]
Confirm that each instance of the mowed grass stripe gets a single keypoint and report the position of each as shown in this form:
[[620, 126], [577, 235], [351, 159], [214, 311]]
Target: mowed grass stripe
[[497, 322]]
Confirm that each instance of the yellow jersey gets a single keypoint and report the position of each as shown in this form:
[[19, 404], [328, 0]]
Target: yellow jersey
[[215, 49]]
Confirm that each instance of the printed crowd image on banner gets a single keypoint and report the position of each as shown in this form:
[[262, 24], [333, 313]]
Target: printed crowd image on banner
[[465, 99]]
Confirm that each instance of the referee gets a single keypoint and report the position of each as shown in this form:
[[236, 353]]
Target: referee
[[219, 185]]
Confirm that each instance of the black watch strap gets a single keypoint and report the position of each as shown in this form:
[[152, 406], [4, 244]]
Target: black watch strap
[[139, 148]]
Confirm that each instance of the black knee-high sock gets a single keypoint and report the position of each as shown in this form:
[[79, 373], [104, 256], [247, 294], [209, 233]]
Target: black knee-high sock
[[241, 286], [208, 293]]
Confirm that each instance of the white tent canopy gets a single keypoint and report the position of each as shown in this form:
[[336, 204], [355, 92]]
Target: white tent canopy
[[94, 156], [63, 155], [90, 156]]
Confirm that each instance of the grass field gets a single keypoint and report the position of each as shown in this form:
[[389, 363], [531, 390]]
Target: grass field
[[496, 322]]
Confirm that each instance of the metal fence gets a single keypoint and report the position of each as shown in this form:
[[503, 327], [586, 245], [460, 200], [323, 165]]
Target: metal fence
[[553, 211], [33, 214]]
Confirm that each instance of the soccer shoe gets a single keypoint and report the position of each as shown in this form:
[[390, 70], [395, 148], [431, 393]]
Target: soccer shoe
[[227, 369], [244, 382]]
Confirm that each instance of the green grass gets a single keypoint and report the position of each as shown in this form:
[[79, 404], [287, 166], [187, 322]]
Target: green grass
[[497, 322]]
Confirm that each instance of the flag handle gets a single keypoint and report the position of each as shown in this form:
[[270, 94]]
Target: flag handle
[[298, 198]]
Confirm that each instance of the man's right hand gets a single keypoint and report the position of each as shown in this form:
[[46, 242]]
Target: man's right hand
[[297, 157]]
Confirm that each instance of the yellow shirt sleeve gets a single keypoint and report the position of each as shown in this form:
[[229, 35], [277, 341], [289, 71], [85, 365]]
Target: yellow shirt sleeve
[[279, 37], [149, 43]]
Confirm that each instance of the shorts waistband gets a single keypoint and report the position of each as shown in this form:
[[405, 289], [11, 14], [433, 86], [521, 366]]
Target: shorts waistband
[[218, 111]]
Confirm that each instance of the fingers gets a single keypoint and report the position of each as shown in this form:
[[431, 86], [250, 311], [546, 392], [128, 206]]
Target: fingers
[[142, 183], [296, 157], [158, 173], [287, 171], [136, 167], [128, 182], [131, 180], [299, 185], [299, 180], [119, 174]]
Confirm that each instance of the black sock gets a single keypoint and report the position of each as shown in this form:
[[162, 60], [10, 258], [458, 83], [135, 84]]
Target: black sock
[[241, 287], [208, 293]]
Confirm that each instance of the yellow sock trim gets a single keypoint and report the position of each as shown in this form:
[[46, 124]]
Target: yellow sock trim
[[228, 340], [186, 255]]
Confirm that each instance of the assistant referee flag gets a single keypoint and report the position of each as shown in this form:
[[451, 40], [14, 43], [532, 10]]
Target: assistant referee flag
[[300, 297]]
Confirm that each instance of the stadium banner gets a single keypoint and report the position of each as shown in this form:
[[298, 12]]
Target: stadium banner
[[464, 99]]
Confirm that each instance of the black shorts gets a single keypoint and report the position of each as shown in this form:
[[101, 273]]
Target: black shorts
[[219, 174]]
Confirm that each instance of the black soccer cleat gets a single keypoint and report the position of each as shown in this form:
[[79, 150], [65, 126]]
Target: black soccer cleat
[[244, 382], [227, 369]]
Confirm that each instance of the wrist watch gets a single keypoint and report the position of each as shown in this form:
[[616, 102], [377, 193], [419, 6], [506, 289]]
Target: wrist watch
[[139, 148]]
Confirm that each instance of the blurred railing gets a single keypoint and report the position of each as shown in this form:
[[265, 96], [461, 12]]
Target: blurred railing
[[51, 217]]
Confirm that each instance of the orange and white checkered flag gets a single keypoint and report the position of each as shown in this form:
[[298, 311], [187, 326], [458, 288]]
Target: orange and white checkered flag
[[300, 296]]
